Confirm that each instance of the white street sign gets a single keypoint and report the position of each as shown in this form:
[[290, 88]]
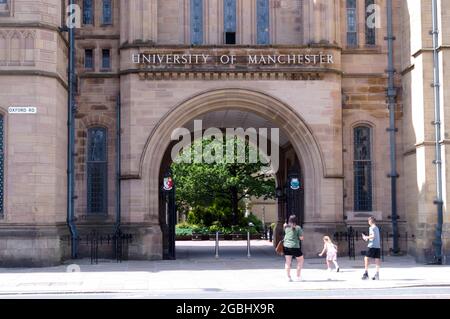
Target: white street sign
[[22, 110]]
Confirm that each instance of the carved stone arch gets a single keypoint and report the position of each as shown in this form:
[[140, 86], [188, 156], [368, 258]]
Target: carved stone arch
[[288, 120]]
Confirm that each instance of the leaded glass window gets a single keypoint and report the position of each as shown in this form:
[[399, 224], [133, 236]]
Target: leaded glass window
[[362, 169], [229, 18], [106, 59], [97, 171], [107, 12], [197, 22], [2, 162], [370, 28], [88, 12], [89, 59], [262, 20], [352, 30]]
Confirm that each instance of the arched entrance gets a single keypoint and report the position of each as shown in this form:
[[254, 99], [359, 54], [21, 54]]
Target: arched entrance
[[302, 142]]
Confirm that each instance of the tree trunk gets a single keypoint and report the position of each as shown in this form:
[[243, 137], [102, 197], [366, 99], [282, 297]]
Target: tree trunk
[[234, 204]]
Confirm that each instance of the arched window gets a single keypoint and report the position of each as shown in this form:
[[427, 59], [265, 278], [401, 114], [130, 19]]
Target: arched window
[[362, 169], [2, 162], [97, 171], [197, 22], [229, 21], [88, 12], [262, 20], [352, 24]]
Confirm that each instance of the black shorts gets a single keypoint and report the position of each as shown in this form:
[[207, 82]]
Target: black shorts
[[374, 253], [295, 252]]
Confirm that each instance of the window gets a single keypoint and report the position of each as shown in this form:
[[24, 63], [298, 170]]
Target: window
[[106, 59], [196, 22], [362, 169], [107, 12], [97, 171], [89, 59], [2, 161], [262, 20], [370, 29], [88, 12], [352, 35], [229, 18], [3, 1]]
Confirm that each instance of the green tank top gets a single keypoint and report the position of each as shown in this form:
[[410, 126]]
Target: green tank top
[[291, 237]]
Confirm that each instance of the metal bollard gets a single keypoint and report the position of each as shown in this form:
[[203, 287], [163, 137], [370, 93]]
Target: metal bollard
[[217, 245], [248, 245]]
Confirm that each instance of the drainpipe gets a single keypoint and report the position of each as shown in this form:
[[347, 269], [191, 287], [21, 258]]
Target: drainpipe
[[437, 243], [118, 165], [71, 145], [392, 95]]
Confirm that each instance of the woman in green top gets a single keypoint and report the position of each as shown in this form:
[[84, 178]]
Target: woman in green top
[[293, 234]]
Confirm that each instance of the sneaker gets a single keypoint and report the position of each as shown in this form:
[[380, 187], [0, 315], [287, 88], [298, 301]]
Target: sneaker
[[376, 277], [337, 270], [365, 276], [289, 279], [299, 279]]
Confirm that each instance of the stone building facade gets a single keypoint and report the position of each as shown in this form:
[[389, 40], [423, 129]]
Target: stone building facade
[[327, 94]]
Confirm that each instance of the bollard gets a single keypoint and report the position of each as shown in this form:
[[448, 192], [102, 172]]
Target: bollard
[[248, 245], [217, 245]]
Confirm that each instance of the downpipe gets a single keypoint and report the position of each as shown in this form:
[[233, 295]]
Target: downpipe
[[437, 243], [392, 95], [71, 145]]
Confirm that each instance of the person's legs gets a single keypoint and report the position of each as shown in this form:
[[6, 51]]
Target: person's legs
[[288, 265], [336, 264], [300, 261], [366, 268], [378, 264], [328, 264], [366, 263]]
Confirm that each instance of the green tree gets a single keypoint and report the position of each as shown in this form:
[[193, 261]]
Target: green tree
[[203, 186]]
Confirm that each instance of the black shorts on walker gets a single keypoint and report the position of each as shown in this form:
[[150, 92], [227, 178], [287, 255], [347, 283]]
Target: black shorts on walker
[[295, 252], [374, 253]]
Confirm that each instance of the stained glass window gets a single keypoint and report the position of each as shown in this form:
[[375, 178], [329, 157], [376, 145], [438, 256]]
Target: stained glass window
[[362, 169], [352, 35], [370, 26], [229, 18], [2, 162], [88, 12], [197, 22], [107, 12], [97, 171], [262, 20]]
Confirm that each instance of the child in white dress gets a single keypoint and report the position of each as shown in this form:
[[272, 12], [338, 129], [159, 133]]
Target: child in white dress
[[331, 249]]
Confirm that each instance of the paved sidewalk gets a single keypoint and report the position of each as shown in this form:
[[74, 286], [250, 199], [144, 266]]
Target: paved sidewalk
[[196, 270]]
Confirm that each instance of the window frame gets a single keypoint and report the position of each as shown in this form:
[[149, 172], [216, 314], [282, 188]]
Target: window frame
[[357, 200], [260, 39], [229, 25], [196, 38], [104, 163], [111, 17], [349, 33], [109, 67], [91, 69], [92, 23]]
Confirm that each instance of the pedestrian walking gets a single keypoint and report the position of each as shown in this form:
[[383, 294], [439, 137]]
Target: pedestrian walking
[[331, 249], [374, 249], [293, 235]]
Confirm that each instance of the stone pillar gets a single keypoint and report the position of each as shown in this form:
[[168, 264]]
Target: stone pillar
[[139, 21]]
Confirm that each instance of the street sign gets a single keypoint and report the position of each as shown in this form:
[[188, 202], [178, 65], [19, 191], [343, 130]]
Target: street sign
[[22, 110]]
